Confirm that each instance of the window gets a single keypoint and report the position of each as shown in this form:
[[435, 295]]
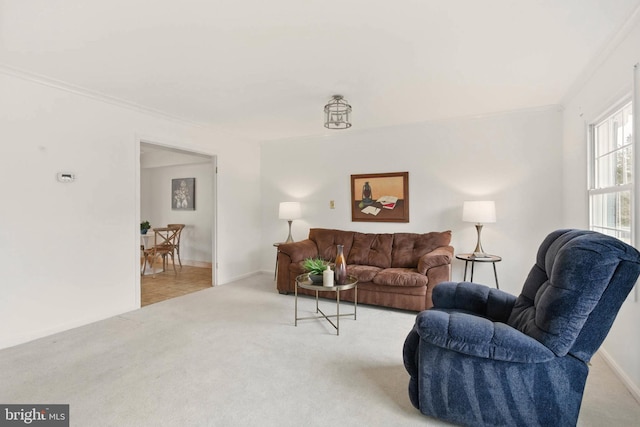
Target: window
[[611, 180]]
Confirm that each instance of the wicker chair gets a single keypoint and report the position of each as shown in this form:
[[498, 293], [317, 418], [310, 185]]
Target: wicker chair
[[179, 227], [164, 245]]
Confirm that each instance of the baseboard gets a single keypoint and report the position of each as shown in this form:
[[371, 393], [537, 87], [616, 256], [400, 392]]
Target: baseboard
[[62, 327], [240, 277], [201, 264], [617, 370]]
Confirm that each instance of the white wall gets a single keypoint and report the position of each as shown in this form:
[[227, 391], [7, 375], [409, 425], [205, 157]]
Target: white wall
[[512, 158], [196, 238], [69, 252], [610, 82]]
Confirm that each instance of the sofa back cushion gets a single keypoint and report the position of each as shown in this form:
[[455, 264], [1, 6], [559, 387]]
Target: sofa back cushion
[[371, 249], [409, 247], [327, 239]]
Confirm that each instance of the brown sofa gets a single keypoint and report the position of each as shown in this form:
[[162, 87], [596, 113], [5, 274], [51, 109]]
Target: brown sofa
[[396, 270]]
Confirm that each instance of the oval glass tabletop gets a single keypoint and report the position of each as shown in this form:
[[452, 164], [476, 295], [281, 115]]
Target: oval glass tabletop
[[305, 282]]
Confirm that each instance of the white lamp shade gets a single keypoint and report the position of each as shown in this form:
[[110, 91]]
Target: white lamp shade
[[480, 212], [289, 210]]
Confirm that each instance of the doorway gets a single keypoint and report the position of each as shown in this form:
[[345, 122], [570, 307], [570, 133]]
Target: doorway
[[160, 168], [168, 285]]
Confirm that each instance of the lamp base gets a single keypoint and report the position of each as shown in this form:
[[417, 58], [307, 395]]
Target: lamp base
[[481, 255], [289, 239], [478, 252]]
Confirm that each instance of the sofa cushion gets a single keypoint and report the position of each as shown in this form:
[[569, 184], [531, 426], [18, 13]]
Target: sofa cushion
[[400, 277], [409, 247], [371, 249], [364, 273], [410, 291], [327, 239]]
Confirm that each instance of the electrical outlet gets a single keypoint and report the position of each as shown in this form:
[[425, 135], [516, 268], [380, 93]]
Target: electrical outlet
[[66, 177], [332, 204]]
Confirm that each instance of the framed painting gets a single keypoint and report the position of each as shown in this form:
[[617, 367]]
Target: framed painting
[[183, 194], [380, 197]]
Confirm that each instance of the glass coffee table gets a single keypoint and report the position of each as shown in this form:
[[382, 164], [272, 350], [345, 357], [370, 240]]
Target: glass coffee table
[[304, 282]]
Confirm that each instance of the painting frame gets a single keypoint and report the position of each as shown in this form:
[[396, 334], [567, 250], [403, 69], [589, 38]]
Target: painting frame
[[183, 194], [380, 197]]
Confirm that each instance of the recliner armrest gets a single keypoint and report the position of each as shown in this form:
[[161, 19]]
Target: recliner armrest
[[478, 336], [472, 297]]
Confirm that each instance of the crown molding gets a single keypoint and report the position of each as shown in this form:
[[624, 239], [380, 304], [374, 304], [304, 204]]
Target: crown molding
[[335, 134], [97, 96]]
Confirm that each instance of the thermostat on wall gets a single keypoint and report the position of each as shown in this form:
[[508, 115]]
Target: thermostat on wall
[[66, 177]]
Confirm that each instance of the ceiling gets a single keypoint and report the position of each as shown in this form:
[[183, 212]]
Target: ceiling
[[264, 69]]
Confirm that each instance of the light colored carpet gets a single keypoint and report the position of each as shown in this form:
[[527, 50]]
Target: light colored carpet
[[231, 356]]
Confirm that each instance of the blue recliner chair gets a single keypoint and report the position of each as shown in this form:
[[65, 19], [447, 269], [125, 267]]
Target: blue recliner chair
[[482, 357]]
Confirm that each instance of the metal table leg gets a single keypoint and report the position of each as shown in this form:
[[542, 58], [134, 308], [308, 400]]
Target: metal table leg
[[472, 265], [337, 312]]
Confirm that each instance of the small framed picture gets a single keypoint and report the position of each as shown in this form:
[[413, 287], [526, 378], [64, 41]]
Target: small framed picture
[[183, 194], [380, 197]]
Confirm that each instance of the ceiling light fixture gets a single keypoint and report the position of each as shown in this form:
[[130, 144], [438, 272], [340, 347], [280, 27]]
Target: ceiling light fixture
[[337, 113]]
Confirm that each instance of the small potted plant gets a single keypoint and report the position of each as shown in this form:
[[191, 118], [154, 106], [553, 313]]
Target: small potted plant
[[144, 227], [315, 267]]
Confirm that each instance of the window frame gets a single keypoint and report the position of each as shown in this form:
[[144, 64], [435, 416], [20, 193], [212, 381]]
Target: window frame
[[592, 188]]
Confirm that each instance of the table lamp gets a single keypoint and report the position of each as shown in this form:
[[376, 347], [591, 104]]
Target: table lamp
[[289, 211], [479, 212]]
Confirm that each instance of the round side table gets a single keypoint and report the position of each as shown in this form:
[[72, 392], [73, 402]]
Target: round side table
[[303, 281], [471, 258]]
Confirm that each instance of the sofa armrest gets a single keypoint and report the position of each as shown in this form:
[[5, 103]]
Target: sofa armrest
[[435, 258], [299, 251], [436, 265], [475, 298], [477, 336], [292, 253]]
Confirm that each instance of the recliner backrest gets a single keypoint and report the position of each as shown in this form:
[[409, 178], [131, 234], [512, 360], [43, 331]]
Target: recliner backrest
[[574, 291]]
